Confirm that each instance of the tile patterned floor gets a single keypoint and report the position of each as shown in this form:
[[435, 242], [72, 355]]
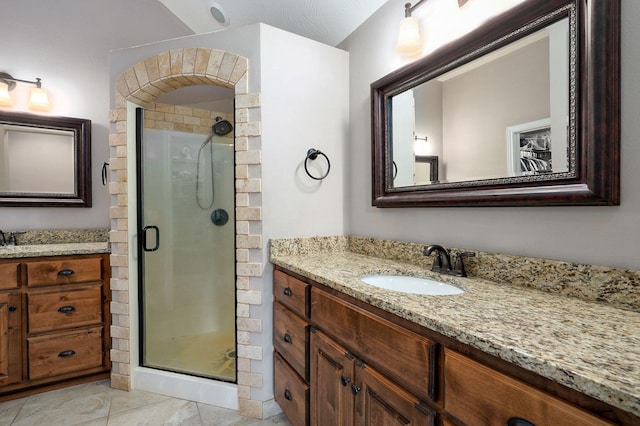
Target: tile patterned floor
[[96, 404]]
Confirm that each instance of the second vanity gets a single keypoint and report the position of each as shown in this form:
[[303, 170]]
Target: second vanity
[[496, 354], [54, 316]]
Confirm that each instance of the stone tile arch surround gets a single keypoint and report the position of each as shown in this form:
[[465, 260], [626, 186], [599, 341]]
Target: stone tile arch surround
[[142, 84]]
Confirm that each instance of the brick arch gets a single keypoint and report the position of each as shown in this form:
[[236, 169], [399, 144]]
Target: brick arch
[[142, 84]]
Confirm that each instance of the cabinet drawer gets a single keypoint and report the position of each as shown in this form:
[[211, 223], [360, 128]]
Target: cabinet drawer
[[291, 393], [9, 275], [64, 309], [62, 353], [291, 292], [403, 356], [64, 271], [478, 395], [291, 338]]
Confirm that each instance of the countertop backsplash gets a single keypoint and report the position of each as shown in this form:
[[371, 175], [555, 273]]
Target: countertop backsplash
[[613, 286]]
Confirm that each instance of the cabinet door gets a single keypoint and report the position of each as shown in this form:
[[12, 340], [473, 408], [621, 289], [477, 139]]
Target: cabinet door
[[332, 369], [10, 339], [379, 401]]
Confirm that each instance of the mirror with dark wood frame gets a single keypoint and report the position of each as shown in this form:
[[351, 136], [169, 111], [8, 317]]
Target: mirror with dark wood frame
[[523, 111], [45, 161]]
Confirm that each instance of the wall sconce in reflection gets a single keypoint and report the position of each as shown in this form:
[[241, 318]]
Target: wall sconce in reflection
[[420, 145], [38, 100]]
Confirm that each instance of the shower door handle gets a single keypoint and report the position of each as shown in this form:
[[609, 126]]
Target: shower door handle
[[144, 238]]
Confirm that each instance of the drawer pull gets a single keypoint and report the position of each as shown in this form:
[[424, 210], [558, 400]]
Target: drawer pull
[[67, 353], [287, 395], [355, 389], [13, 308], [287, 338], [66, 272], [67, 309], [287, 292], [517, 421], [345, 380]]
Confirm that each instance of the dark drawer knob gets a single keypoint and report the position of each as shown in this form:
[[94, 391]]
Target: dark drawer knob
[[66, 309], [13, 308], [355, 389], [287, 292], [517, 421], [67, 353], [287, 395], [66, 272], [345, 380], [287, 338]]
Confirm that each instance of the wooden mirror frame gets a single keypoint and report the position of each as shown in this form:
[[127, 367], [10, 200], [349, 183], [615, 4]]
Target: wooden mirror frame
[[597, 133], [81, 129]]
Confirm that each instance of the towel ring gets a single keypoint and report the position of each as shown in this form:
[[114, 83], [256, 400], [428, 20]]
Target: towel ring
[[312, 154]]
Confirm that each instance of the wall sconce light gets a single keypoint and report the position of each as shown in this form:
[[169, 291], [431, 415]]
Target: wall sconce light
[[409, 42], [38, 100]]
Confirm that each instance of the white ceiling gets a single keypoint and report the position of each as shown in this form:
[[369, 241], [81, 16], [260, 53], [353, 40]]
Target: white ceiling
[[326, 21]]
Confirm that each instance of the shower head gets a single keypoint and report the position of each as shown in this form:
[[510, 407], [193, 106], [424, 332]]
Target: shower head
[[221, 127]]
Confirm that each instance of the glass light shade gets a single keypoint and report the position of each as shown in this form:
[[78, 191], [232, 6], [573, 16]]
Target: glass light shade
[[39, 99], [409, 42], [5, 99]]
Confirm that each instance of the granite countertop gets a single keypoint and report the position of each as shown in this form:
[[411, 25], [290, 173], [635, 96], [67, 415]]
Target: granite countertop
[[38, 250], [587, 346]]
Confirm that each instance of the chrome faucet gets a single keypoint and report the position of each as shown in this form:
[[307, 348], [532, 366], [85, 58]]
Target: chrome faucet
[[442, 261]]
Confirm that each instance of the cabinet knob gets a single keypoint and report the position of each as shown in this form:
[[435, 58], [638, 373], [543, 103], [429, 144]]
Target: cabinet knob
[[355, 389], [13, 308], [287, 338], [287, 292], [287, 395], [345, 380], [66, 272], [66, 354], [517, 421]]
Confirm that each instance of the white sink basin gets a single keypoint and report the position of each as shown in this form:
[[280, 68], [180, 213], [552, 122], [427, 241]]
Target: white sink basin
[[413, 285]]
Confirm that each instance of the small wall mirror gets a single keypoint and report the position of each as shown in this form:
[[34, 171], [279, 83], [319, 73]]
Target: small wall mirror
[[522, 111], [44, 161]]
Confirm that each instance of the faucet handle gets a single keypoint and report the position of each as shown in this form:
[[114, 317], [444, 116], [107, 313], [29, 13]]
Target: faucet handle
[[459, 269]]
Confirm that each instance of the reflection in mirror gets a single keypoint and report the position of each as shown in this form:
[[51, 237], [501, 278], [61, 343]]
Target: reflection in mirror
[[36, 161], [504, 114], [44, 160], [524, 110]]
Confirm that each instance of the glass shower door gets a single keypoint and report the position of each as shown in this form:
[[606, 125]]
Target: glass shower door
[[187, 253]]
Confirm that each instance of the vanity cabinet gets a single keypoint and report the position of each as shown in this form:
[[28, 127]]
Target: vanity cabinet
[[346, 391], [319, 381], [357, 364], [54, 322]]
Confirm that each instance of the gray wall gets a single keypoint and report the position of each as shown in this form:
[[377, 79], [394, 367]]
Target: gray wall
[[597, 235], [67, 45]]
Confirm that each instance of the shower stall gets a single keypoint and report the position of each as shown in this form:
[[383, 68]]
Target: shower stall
[[186, 250]]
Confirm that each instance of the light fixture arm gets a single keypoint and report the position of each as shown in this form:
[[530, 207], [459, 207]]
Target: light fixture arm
[[11, 82], [408, 9]]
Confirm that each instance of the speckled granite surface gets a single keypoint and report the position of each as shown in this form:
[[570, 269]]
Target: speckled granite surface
[[39, 250], [57, 243], [63, 236], [588, 346]]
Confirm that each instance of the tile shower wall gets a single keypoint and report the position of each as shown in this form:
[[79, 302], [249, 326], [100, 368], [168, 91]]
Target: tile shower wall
[[142, 84]]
